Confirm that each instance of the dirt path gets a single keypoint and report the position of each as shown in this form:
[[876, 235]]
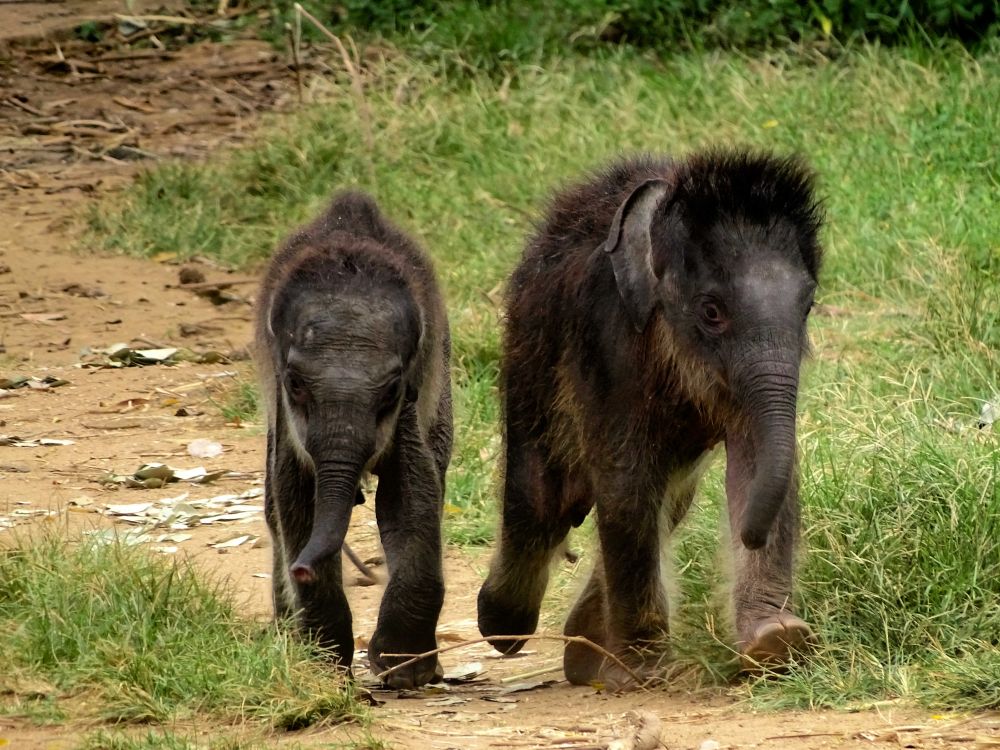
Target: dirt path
[[55, 303]]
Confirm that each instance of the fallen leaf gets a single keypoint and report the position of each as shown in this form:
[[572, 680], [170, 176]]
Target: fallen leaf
[[464, 672], [234, 542], [173, 537], [16, 442], [447, 701]]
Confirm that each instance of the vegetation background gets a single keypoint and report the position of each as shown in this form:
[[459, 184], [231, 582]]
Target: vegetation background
[[475, 111]]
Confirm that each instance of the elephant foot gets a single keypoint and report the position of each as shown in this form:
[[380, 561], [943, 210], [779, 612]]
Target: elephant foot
[[501, 615], [773, 641], [584, 665], [419, 673]]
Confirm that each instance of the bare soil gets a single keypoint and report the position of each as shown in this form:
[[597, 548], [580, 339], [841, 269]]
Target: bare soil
[[69, 131]]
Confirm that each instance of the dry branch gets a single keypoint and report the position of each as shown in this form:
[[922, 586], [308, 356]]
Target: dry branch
[[357, 87], [220, 285], [541, 672], [414, 658], [140, 20], [12, 101]]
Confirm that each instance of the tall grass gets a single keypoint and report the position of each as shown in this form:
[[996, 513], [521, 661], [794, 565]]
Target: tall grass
[[145, 640], [900, 571]]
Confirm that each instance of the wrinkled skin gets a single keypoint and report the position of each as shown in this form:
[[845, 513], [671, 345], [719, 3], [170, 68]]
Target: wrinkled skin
[[659, 312], [353, 355]]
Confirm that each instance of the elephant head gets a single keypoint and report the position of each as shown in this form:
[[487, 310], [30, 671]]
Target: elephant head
[[730, 260], [344, 358]]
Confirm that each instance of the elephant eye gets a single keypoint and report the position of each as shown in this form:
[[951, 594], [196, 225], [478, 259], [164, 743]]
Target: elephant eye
[[389, 396], [713, 317], [296, 388]]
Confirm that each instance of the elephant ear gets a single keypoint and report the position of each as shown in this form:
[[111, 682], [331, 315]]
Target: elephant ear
[[631, 250]]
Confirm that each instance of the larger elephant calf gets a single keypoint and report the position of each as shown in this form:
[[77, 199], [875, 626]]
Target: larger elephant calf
[[659, 310]]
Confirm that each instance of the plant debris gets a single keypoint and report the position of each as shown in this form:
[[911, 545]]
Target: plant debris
[[17, 442], [152, 476], [123, 355], [180, 513], [32, 382]]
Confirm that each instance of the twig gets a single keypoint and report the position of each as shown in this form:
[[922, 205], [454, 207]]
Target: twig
[[528, 675], [537, 637], [356, 86], [139, 20], [804, 735], [293, 42], [138, 54], [122, 101], [14, 102], [213, 285], [88, 124], [360, 564]]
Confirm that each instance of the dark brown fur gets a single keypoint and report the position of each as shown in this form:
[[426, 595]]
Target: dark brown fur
[[353, 253], [598, 412]]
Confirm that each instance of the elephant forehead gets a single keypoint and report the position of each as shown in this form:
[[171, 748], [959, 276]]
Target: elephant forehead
[[360, 325]]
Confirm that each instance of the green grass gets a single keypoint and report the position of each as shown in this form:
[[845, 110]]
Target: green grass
[[241, 402], [100, 631], [900, 568]]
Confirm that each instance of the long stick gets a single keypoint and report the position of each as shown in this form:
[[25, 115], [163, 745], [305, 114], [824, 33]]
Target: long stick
[[356, 86], [538, 636]]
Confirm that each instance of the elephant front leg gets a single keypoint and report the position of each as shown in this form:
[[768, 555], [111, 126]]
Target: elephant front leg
[[408, 506], [767, 631], [324, 613], [287, 476], [320, 606]]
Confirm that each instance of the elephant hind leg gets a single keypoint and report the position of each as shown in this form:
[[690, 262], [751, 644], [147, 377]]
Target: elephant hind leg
[[588, 618], [534, 523]]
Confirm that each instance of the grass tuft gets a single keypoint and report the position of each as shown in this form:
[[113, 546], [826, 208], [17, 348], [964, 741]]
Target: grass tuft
[[151, 640]]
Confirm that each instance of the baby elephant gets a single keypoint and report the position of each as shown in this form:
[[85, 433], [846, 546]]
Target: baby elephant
[[659, 310], [352, 351]]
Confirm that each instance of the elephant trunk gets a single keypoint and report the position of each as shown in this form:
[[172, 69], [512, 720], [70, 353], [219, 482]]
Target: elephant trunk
[[761, 459], [336, 489]]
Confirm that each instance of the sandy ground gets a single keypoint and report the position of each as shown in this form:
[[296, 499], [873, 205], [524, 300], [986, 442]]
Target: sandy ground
[[57, 302]]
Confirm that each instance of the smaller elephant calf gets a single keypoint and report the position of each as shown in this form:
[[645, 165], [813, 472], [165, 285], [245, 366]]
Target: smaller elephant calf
[[352, 350]]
